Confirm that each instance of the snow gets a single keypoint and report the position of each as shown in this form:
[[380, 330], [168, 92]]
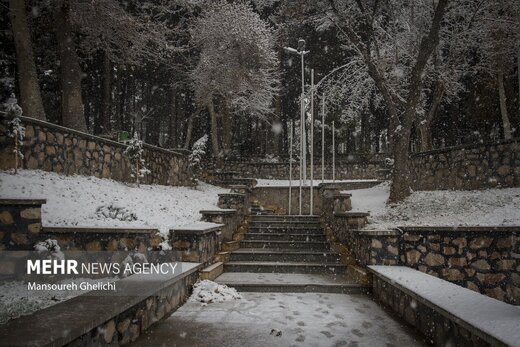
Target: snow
[[208, 292], [285, 183], [16, 300], [282, 319], [491, 207], [75, 200], [494, 317]]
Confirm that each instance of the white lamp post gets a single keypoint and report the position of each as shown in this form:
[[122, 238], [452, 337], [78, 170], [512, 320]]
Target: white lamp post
[[301, 52]]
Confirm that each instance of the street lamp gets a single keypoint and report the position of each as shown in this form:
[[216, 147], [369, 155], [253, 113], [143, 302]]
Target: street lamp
[[301, 52]]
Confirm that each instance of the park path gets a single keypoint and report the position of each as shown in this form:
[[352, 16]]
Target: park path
[[296, 292]]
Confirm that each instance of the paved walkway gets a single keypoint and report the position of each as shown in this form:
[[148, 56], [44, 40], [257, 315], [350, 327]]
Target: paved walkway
[[282, 319]]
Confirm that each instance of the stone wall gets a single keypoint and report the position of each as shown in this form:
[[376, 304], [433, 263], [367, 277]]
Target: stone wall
[[280, 170], [468, 167], [196, 243], [20, 223], [484, 259], [104, 239], [50, 147]]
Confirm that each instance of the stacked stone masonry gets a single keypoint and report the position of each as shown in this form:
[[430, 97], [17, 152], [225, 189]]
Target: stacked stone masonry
[[468, 167], [280, 170], [62, 150], [486, 260]]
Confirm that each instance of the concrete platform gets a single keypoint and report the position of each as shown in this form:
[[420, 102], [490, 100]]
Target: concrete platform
[[275, 319]]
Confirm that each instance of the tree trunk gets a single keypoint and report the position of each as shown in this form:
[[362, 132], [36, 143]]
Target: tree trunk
[[189, 130], [518, 71], [226, 130], [402, 177], [503, 105], [172, 124], [425, 127], [106, 96], [426, 136], [31, 99], [70, 73], [214, 129]]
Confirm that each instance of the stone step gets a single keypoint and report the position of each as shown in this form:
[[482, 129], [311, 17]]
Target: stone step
[[284, 244], [284, 267], [292, 283], [252, 254], [285, 218], [274, 223], [285, 237], [287, 230]]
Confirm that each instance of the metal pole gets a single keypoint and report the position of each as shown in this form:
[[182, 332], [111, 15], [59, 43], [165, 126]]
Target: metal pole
[[333, 154], [304, 137], [323, 139], [290, 164], [312, 141], [301, 152]]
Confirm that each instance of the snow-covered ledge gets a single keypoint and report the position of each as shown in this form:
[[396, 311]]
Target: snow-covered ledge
[[198, 242], [229, 218], [446, 313], [112, 319]]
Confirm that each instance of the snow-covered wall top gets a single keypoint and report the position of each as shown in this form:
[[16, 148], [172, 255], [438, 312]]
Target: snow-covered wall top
[[469, 167], [51, 147]]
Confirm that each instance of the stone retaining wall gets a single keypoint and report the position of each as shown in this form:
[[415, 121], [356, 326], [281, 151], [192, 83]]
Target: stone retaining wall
[[484, 259], [468, 167], [54, 148], [280, 170], [20, 223]]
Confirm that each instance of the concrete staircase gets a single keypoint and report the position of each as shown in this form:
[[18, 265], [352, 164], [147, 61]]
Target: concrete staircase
[[281, 253]]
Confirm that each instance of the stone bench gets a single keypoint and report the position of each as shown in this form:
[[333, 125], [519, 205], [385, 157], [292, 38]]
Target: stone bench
[[446, 313], [112, 319]]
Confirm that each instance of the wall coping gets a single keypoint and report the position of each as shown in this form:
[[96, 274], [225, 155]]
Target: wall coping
[[65, 316], [286, 162], [98, 230], [27, 202], [351, 214], [217, 212], [465, 147], [239, 186], [177, 152], [378, 233], [465, 229], [200, 228], [232, 194], [342, 195]]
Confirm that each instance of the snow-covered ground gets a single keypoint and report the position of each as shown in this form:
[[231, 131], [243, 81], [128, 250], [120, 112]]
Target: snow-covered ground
[[439, 208], [282, 319], [285, 183], [93, 202], [16, 300]]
